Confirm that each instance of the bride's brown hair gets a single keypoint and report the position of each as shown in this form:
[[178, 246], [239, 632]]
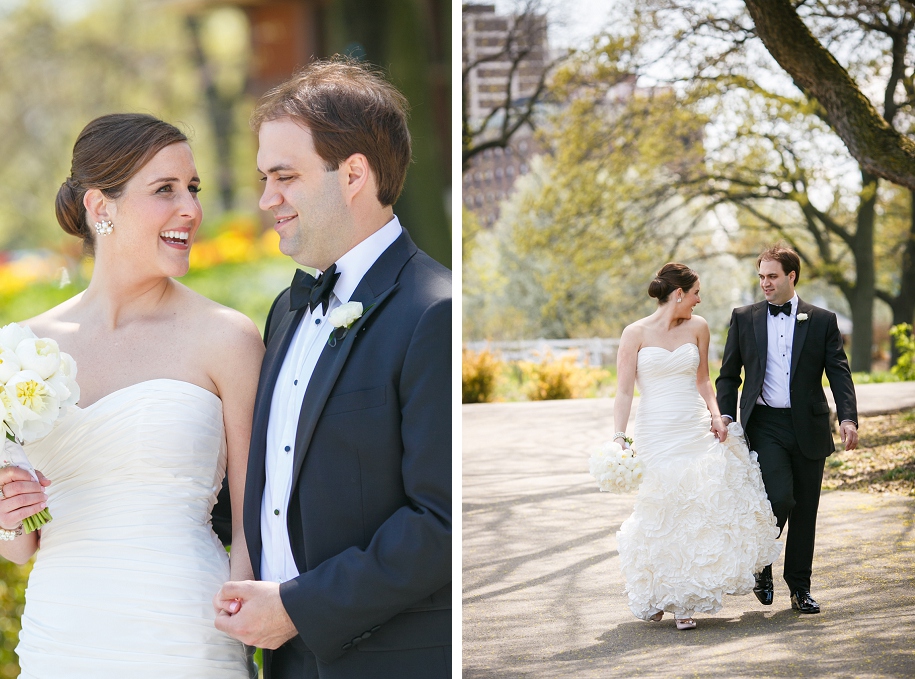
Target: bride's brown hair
[[671, 276], [108, 153]]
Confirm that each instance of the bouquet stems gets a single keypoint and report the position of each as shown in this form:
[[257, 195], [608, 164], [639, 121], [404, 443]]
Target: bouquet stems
[[35, 521]]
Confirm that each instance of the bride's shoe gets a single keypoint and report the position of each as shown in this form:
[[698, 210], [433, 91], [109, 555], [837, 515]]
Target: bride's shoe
[[657, 616], [685, 623]]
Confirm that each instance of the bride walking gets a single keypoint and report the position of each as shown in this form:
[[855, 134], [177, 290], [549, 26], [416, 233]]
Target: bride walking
[[123, 582], [702, 525]]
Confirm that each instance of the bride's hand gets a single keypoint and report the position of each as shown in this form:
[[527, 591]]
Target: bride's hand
[[21, 496], [719, 428]]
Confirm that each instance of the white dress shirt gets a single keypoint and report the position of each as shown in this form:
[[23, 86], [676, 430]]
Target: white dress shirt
[[776, 391], [291, 388]]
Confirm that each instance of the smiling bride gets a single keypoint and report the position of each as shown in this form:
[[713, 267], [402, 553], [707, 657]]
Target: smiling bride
[[702, 525], [126, 571]]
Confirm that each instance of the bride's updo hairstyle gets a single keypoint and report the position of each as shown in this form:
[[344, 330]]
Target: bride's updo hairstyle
[[669, 278], [108, 153]]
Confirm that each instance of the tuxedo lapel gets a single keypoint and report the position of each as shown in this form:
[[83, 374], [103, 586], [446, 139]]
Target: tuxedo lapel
[[800, 334], [376, 286], [761, 331], [256, 478]]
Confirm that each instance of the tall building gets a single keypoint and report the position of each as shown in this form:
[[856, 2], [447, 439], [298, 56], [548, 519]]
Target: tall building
[[498, 41], [492, 43]]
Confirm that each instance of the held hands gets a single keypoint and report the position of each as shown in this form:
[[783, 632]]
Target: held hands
[[252, 612], [719, 428], [20, 496], [849, 433]]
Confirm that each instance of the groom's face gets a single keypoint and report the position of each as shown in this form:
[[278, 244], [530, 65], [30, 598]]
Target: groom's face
[[776, 286], [306, 199]]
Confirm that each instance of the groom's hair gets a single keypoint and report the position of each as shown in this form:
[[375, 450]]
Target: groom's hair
[[787, 257], [348, 107]]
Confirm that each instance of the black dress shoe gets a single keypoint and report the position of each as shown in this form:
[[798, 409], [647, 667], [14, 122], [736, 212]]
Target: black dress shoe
[[764, 589], [803, 602]]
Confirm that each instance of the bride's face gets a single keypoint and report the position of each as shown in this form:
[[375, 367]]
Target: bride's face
[[690, 299], [157, 215]]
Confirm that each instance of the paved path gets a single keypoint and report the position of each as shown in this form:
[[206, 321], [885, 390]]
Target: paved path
[[543, 596]]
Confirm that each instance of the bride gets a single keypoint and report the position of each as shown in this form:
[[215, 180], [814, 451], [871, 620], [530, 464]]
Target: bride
[[123, 582], [702, 525]]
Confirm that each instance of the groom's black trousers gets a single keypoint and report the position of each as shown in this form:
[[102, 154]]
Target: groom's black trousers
[[793, 485]]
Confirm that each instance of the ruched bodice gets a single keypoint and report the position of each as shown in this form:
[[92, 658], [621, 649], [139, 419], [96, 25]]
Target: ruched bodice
[[123, 582], [671, 411], [702, 525]]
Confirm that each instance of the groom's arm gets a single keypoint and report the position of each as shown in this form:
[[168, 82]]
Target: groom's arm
[[409, 557], [839, 374], [728, 381]]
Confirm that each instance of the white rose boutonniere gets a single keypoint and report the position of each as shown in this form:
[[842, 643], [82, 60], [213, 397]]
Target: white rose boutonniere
[[801, 317], [342, 318]]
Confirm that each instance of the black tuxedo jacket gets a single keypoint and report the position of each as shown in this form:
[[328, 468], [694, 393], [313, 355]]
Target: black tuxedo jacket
[[369, 515], [817, 349]]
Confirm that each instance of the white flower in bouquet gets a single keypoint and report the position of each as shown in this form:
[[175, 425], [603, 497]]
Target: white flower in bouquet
[[40, 354], [64, 382], [11, 335], [617, 469], [9, 364], [37, 385], [34, 405]]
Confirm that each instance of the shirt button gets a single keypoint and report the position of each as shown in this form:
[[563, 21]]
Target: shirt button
[[295, 382], [286, 449], [276, 512], [317, 321]]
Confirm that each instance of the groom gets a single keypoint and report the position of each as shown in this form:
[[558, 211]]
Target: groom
[[784, 346], [348, 497]]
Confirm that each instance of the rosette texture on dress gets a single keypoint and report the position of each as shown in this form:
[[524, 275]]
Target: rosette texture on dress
[[702, 524]]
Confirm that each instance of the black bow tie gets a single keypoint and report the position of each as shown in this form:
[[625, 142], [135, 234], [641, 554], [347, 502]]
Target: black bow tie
[[785, 308], [306, 290]]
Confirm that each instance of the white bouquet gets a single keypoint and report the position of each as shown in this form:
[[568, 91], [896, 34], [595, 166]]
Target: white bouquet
[[37, 385], [616, 469]]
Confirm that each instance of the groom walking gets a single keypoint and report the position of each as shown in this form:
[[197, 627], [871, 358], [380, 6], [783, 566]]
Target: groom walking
[[348, 497], [784, 346]]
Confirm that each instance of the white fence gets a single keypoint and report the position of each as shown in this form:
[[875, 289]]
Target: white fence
[[594, 351]]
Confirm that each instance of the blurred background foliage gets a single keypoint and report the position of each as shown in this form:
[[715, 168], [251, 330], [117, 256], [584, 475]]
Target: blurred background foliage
[[200, 64]]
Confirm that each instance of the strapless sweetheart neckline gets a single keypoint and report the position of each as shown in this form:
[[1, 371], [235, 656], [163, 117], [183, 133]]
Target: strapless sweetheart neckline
[[145, 383], [671, 351]]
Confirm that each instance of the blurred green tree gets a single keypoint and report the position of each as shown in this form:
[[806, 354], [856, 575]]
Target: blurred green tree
[[60, 70]]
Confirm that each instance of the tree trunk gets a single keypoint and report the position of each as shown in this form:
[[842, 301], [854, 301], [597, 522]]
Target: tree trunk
[[220, 111], [862, 301], [903, 305]]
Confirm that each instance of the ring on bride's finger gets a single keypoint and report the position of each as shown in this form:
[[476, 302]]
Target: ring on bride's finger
[[2, 494]]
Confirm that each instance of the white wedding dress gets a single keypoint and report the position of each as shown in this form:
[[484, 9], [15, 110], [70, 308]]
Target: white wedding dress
[[702, 525], [125, 576]]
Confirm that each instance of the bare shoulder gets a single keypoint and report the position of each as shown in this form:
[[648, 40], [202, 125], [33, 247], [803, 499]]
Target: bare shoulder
[[698, 325], [231, 329], [633, 334]]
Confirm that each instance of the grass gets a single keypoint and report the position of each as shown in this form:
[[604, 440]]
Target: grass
[[884, 461]]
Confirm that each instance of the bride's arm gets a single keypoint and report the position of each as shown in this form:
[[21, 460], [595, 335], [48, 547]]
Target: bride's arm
[[704, 382], [236, 374], [626, 359]]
